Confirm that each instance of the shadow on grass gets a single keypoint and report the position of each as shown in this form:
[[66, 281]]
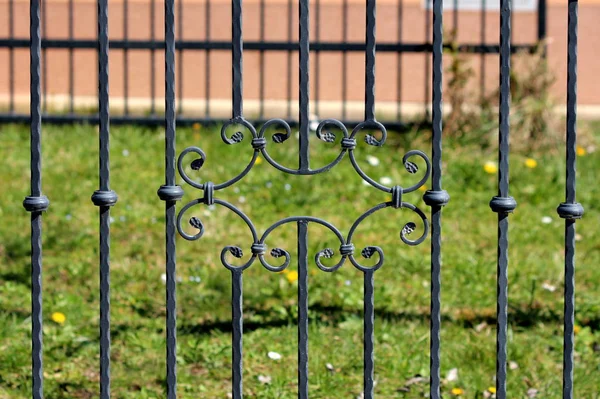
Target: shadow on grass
[[525, 316]]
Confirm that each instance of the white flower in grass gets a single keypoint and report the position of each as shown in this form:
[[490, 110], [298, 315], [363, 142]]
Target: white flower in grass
[[236, 190], [111, 220], [546, 220], [452, 375], [287, 187], [385, 180], [549, 287], [125, 153], [242, 199], [274, 355], [373, 161], [365, 183], [264, 379], [69, 217], [163, 277]]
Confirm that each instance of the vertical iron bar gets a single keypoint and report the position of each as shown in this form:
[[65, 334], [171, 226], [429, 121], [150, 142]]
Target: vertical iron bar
[[304, 85], [261, 62], [238, 326], [103, 97], [570, 210], [207, 60], [370, 61], [289, 59], [152, 59], [344, 60], [369, 335], [11, 57], [541, 25], [37, 365], [104, 303], [436, 198], [126, 57], [104, 198], [36, 203], [302, 309], [436, 210], [399, 62], [237, 111], [71, 61], [237, 49], [173, 193], [180, 56], [569, 309], [503, 204]]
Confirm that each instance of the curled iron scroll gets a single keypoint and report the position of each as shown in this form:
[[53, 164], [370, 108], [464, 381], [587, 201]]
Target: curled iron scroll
[[196, 223], [407, 229], [326, 252]]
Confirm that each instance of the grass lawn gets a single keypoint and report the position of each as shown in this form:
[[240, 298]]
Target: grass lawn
[[266, 195]]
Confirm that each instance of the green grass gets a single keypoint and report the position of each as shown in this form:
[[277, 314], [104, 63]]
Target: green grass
[[267, 195]]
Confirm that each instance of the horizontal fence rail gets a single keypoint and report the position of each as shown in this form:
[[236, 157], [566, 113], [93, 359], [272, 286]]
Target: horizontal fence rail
[[77, 110], [258, 137]]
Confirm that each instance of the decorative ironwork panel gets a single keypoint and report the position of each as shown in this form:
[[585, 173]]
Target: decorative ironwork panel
[[233, 133]]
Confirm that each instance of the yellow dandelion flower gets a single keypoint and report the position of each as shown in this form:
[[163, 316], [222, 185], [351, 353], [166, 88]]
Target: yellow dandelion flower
[[576, 329], [58, 317], [259, 160], [423, 188], [196, 126], [457, 391], [292, 276], [530, 163], [492, 390], [580, 151], [490, 167]]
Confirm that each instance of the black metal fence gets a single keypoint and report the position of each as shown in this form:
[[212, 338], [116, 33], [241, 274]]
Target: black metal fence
[[503, 204], [210, 46]]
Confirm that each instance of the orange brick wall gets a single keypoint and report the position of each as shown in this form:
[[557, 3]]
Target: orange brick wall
[[413, 67]]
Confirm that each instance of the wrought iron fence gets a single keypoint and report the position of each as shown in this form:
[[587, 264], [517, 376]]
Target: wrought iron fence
[[232, 133], [211, 46]]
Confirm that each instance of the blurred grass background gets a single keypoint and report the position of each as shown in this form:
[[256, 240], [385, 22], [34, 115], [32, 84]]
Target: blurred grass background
[[266, 195]]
